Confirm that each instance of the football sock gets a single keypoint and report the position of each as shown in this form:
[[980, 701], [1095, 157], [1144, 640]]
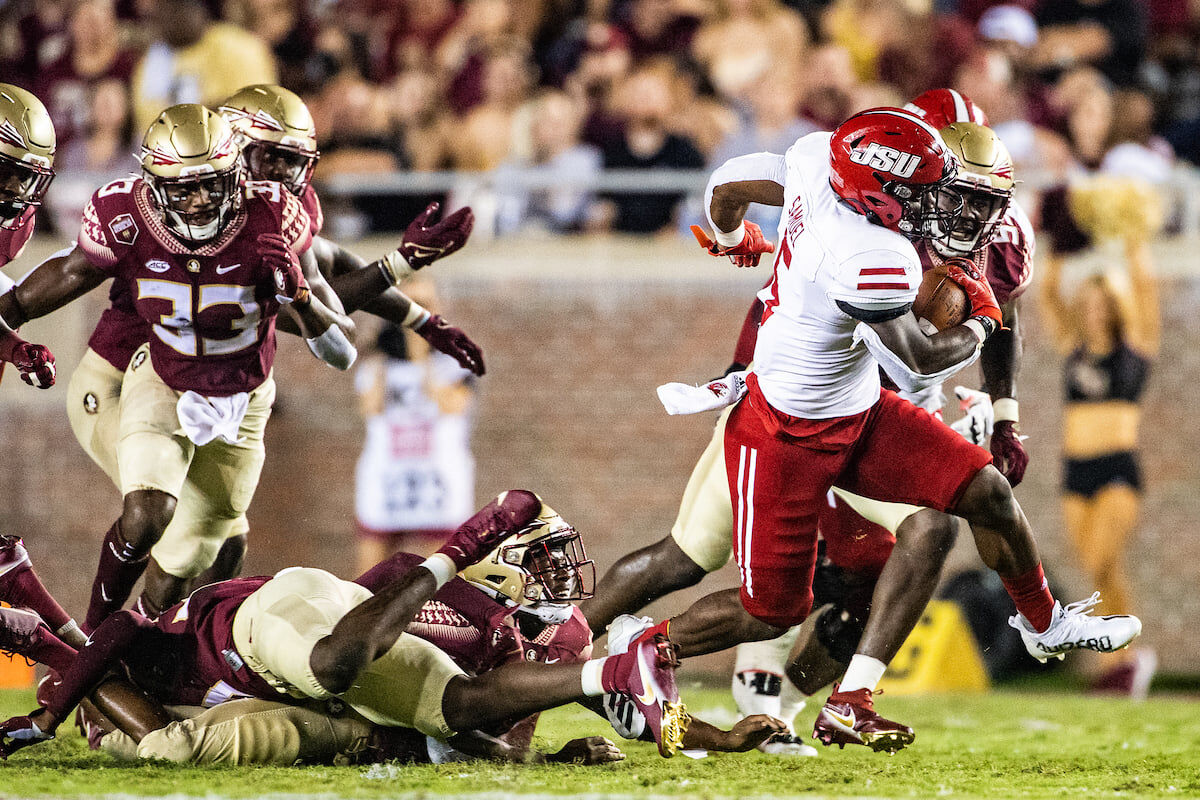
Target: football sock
[[102, 651], [1031, 595], [48, 649], [21, 587], [864, 672], [119, 569]]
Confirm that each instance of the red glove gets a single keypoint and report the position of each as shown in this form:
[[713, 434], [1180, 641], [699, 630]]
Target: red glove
[[278, 257], [745, 253], [425, 243], [446, 338], [1008, 452], [983, 300], [18, 732], [34, 361]]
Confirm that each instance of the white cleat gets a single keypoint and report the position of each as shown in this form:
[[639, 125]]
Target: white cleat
[[625, 629], [1074, 628]]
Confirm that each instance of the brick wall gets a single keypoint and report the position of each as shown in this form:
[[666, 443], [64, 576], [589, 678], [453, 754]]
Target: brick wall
[[577, 335]]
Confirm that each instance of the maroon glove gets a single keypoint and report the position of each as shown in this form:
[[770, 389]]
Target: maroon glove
[[278, 257], [425, 243], [34, 361], [18, 732], [446, 338], [1008, 452], [745, 253]]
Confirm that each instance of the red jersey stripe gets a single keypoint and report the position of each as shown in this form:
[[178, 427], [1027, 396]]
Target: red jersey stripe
[[882, 271], [902, 286]]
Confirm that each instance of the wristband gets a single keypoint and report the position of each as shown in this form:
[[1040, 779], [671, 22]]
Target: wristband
[[441, 567], [975, 326], [731, 239], [416, 316], [1006, 410], [395, 267]]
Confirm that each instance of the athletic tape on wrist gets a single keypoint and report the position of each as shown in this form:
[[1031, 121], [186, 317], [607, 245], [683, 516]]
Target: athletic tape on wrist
[[333, 348], [441, 566], [731, 239], [1006, 409], [416, 316], [977, 327], [396, 267]]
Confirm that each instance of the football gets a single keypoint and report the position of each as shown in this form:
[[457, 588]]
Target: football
[[940, 301]]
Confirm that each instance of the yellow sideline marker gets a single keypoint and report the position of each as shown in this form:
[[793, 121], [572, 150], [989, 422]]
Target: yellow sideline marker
[[940, 655]]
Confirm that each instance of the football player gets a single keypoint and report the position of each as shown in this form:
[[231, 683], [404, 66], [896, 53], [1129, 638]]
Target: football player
[[846, 274], [306, 634], [278, 142], [209, 261], [515, 605], [27, 145]]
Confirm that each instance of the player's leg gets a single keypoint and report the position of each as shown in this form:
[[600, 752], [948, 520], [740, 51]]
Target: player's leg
[[221, 480], [93, 408], [230, 558], [20, 586], [153, 463], [251, 731], [700, 543]]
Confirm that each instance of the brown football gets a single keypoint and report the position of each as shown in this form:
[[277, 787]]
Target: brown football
[[940, 300]]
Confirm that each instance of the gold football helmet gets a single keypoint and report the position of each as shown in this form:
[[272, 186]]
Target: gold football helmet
[[543, 566], [983, 188], [26, 153], [191, 161], [278, 138]]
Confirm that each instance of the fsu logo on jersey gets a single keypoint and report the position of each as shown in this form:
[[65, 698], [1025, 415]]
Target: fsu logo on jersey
[[886, 159], [124, 229]]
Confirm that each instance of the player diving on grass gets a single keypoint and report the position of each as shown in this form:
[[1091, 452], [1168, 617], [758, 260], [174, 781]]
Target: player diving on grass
[[858, 533], [373, 645], [837, 307]]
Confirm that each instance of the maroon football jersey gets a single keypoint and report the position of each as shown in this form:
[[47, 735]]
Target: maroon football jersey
[[312, 207], [12, 240], [210, 670], [120, 330], [211, 309], [1007, 260]]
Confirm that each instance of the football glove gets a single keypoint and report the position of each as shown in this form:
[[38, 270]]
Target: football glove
[[745, 253]]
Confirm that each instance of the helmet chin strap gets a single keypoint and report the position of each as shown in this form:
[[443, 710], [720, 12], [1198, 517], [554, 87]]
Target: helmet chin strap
[[549, 613]]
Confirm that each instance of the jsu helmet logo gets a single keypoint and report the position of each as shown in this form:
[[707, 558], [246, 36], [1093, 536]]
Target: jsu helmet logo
[[886, 159]]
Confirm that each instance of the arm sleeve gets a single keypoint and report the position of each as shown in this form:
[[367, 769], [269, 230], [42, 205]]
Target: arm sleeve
[[754, 167], [898, 371], [93, 240]]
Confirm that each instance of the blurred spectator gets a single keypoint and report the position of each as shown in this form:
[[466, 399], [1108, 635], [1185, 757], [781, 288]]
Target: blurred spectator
[[484, 28], [829, 78], [415, 480], [557, 156], [195, 60], [417, 29], [32, 35], [419, 128], [743, 38], [656, 27], [106, 143], [646, 106], [94, 56], [1107, 34], [484, 137], [700, 115], [286, 27]]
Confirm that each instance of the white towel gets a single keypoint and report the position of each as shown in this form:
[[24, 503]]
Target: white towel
[[205, 418], [682, 398]]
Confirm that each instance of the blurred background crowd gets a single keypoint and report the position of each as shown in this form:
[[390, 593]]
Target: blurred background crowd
[[538, 95]]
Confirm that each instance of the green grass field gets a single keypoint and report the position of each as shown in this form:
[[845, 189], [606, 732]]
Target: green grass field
[[1004, 745]]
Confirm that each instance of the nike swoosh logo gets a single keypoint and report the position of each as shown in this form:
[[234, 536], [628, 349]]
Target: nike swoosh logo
[[553, 660], [647, 697], [841, 719], [223, 270], [104, 594]]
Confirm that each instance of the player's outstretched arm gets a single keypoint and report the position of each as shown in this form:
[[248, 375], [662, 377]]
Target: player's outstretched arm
[[35, 362], [50, 286], [327, 330], [1000, 361], [733, 186]]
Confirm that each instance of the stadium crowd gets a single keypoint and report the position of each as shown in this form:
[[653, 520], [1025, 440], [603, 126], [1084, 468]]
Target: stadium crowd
[[571, 87]]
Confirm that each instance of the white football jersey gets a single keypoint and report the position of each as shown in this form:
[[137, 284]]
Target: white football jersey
[[807, 359]]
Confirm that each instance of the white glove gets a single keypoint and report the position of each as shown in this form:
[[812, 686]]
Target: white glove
[[979, 418]]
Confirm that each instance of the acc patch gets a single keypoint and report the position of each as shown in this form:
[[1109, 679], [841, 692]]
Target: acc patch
[[124, 229], [91, 403]]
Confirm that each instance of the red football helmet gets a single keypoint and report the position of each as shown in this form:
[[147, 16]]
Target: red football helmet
[[888, 165], [940, 107]]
